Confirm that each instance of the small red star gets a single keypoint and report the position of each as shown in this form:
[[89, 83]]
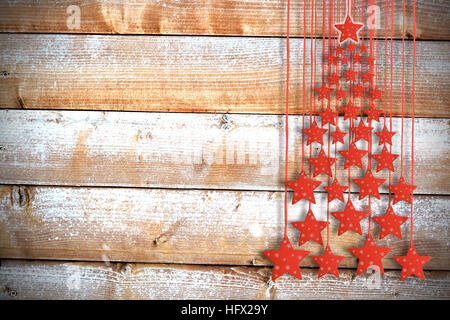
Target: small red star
[[385, 159], [324, 92], [369, 185], [310, 229], [332, 60], [286, 260], [322, 164], [350, 218], [370, 62], [370, 255], [335, 191], [367, 77], [376, 93], [341, 94], [390, 223], [359, 90], [344, 60], [357, 58], [337, 135], [339, 51], [348, 30], [362, 132], [303, 188], [412, 263], [350, 111], [328, 263], [363, 48], [351, 48], [350, 75], [315, 134], [402, 191], [373, 114], [328, 116], [353, 156], [385, 136], [333, 79]]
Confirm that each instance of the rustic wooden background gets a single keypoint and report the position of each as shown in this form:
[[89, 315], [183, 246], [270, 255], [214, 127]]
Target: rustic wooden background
[[94, 200]]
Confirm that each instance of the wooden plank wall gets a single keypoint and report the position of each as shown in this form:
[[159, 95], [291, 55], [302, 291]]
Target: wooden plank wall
[[120, 159]]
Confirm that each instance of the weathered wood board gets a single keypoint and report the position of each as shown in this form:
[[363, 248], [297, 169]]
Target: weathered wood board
[[59, 280], [192, 226], [173, 150], [203, 17], [191, 74]]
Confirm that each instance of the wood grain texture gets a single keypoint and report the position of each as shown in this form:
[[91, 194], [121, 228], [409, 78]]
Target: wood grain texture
[[58, 280], [192, 226], [174, 150], [202, 17], [190, 74]]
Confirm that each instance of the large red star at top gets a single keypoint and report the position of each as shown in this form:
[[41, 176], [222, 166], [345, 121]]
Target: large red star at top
[[350, 218], [412, 263], [369, 185], [315, 133], [348, 30], [322, 164], [385, 159], [303, 188], [402, 191], [328, 263], [390, 223], [370, 255], [335, 191], [286, 260], [310, 229]]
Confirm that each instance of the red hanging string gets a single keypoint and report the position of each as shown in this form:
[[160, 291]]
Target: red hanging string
[[286, 120], [304, 82], [403, 86], [390, 88], [413, 110]]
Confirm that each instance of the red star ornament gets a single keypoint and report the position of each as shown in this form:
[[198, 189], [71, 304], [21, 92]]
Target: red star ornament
[[328, 263], [338, 136], [370, 255], [335, 191], [373, 113], [324, 92], [332, 60], [369, 185], [390, 223], [350, 111], [367, 77], [322, 164], [385, 160], [333, 79], [328, 116], [402, 191], [344, 60], [315, 134], [350, 218], [362, 132], [412, 263], [353, 156], [359, 90], [303, 188], [376, 93], [310, 229], [339, 51], [363, 48], [370, 62], [385, 136], [348, 30], [357, 58], [350, 75], [351, 47], [286, 260], [341, 94]]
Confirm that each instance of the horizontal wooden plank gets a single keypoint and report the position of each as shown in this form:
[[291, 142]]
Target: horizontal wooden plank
[[191, 226], [59, 280], [190, 74], [174, 150], [203, 17]]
